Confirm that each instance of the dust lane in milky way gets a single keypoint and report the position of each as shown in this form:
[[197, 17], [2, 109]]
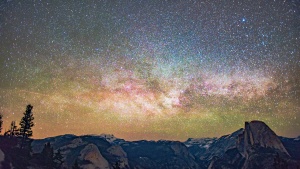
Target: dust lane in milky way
[[150, 70]]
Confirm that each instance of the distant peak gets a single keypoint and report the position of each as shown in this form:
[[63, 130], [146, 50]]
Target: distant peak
[[259, 133], [107, 135], [257, 121]]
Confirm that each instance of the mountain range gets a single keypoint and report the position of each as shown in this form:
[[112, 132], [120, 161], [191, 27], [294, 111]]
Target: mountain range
[[254, 146]]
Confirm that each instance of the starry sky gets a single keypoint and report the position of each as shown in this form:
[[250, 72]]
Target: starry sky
[[161, 69]]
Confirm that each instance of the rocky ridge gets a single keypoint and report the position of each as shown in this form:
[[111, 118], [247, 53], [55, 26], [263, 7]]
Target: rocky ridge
[[255, 146]]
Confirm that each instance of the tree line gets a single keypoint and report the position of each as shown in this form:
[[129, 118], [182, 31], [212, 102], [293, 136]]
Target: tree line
[[26, 124], [16, 145]]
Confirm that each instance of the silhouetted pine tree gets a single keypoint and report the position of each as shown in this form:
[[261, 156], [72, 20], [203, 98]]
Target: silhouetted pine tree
[[15, 157], [47, 155], [117, 165], [1, 122], [13, 131], [58, 159], [26, 124], [75, 166]]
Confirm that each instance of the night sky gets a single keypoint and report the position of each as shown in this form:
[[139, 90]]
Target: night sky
[[161, 69]]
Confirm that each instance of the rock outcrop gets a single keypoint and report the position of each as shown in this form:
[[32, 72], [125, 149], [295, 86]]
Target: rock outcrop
[[89, 151], [92, 154], [259, 134], [256, 147], [117, 151]]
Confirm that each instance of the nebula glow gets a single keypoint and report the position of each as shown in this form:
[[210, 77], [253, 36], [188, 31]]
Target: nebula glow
[[150, 69]]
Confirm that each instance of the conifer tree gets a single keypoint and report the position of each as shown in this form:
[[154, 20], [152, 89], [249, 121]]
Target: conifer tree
[[58, 159], [26, 123], [47, 154], [75, 166], [1, 122], [14, 131], [117, 165]]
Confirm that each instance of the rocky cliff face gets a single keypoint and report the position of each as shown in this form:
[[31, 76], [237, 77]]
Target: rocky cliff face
[[89, 151], [257, 147], [259, 134], [117, 151], [92, 154]]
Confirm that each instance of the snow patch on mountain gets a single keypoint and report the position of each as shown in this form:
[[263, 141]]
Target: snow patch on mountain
[[200, 142], [109, 137]]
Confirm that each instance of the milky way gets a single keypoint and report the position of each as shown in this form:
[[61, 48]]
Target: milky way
[[151, 69]]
